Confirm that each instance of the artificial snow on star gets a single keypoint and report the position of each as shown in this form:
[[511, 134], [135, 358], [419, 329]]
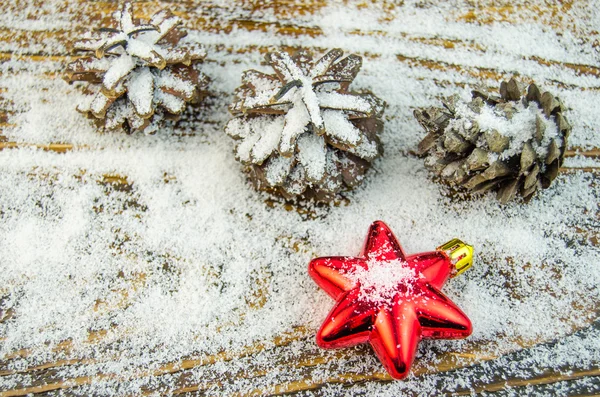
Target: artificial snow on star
[[513, 143], [300, 132], [144, 73]]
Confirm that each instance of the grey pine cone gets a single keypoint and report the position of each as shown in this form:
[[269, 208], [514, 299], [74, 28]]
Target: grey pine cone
[[513, 143]]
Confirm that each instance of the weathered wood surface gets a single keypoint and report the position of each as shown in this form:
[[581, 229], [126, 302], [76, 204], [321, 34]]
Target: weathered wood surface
[[45, 379]]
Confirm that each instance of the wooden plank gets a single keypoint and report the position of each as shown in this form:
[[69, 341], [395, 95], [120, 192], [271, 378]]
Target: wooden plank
[[431, 64], [50, 383], [547, 378], [65, 147], [46, 378]]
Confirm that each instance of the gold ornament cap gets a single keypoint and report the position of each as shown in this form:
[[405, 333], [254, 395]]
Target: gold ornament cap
[[460, 253]]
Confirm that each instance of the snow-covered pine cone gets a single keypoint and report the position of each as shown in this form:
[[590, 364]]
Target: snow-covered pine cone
[[143, 71], [512, 143], [300, 132]]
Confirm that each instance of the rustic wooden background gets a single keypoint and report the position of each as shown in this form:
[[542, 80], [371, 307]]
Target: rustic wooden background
[[46, 379]]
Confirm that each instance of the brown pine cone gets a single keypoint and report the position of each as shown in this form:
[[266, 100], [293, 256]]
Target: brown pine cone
[[300, 132], [143, 72]]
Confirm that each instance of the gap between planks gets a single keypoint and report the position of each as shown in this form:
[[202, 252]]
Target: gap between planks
[[66, 147], [251, 25], [349, 380], [552, 377], [205, 20], [431, 64]]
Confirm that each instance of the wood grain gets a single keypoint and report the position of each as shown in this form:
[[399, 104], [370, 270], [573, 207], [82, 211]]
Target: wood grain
[[550, 377], [45, 378]]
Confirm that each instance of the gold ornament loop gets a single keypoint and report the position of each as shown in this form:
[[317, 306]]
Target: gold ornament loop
[[460, 253]]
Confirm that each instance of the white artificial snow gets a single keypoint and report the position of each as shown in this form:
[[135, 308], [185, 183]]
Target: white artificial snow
[[520, 128], [311, 101], [338, 126], [172, 103], [166, 266], [312, 155], [140, 87], [259, 137], [168, 80], [582, 162], [278, 169], [97, 105], [296, 122], [268, 132], [119, 69], [140, 49], [336, 100], [365, 149], [383, 280]]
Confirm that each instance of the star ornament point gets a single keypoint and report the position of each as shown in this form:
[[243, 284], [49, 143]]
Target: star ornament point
[[389, 299]]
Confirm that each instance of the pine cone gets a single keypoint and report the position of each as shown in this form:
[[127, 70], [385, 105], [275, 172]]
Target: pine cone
[[512, 143], [142, 71], [300, 132]]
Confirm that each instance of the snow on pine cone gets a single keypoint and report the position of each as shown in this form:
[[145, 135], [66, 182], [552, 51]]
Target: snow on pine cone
[[300, 132], [143, 71], [513, 143]]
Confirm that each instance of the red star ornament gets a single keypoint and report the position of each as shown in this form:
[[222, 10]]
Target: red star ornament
[[391, 300]]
